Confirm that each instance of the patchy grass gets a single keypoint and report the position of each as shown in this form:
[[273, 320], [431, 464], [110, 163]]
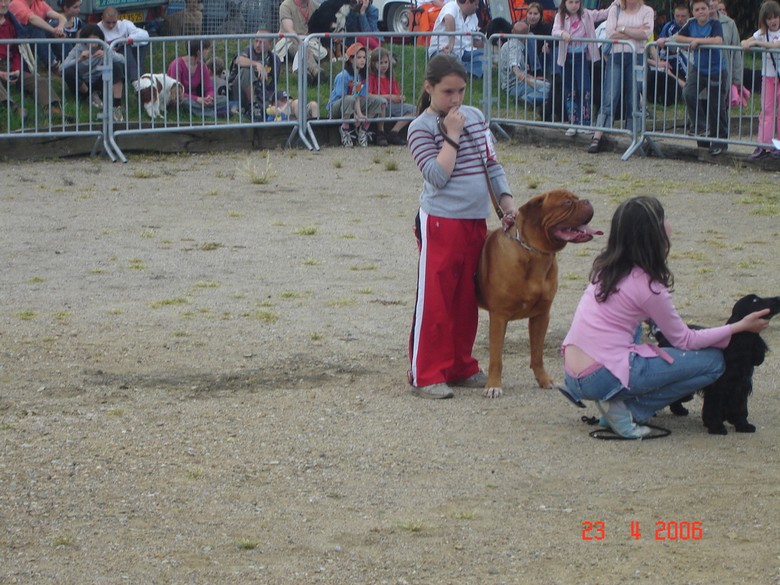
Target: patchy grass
[[207, 284], [413, 526], [178, 301], [359, 267], [36, 280], [391, 165], [264, 316], [256, 174], [311, 262], [210, 246], [341, 303], [27, 315], [248, 544], [306, 231]]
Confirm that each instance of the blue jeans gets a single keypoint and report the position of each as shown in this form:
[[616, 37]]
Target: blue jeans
[[576, 88], [653, 382], [472, 61], [532, 95], [618, 77]]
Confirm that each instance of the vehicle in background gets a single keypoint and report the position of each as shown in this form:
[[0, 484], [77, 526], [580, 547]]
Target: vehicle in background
[[418, 16], [140, 12]]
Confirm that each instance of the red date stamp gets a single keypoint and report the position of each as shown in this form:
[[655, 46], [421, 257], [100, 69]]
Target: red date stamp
[[673, 531]]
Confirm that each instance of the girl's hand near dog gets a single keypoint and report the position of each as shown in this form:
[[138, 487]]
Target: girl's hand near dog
[[753, 323]]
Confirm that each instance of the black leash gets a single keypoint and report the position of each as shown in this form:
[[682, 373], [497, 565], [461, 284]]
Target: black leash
[[609, 435]]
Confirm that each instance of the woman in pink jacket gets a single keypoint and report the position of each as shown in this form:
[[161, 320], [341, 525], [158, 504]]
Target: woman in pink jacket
[[575, 58]]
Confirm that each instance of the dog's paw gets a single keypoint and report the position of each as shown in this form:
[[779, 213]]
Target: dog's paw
[[545, 382], [492, 392], [678, 409], [717, 430], [745, 427]]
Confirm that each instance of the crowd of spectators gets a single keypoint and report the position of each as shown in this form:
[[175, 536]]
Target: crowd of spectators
[[538, 62]]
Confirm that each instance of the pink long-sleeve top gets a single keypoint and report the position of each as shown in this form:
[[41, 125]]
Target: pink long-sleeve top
[[586, 31], [642, 18], [196, 81], [605, 331]]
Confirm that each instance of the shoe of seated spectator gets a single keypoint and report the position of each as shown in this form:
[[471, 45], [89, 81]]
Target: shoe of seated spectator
[[362, 137], [571, 132], [118, 116], [435, 391], [395, 138], [96, 100], [758, 154], [381, 139], [618, 418], [775, 153], [346, 137], [715, 150]]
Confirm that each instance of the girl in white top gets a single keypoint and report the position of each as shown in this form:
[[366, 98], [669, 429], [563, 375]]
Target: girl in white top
[[768, 37]]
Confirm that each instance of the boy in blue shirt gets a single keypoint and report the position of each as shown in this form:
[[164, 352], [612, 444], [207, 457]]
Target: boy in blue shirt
[[706, 73]]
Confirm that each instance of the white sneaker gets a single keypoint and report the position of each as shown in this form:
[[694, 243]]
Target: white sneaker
[[118, 117], [362, 137], [96, 100], [435, 391], [583, 131], [346, 137], [618, 418], [571, 132]]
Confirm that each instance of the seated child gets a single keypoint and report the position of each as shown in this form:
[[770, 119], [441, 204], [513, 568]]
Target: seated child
[[513, 73], [350, 99], [382, 83]]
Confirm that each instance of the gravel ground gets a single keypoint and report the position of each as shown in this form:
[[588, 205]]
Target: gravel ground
[[202, 380]]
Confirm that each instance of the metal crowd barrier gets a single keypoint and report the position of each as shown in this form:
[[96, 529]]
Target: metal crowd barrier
[[711, 114], [659, 111], [568, 97], [38, 104]]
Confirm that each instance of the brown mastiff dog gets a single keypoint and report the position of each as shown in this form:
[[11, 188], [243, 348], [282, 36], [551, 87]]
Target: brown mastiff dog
[[517, 276]]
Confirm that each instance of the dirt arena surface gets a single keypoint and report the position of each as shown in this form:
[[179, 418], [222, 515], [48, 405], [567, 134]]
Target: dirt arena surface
[[202, 380]]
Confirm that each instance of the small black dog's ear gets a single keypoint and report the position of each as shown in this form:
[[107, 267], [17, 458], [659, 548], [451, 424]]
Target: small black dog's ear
[[759, 351]]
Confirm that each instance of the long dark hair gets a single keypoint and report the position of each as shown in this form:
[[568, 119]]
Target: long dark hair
[[438, 68], [637, 238]]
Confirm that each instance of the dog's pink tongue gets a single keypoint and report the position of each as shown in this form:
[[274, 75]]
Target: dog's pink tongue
[[578, 234]]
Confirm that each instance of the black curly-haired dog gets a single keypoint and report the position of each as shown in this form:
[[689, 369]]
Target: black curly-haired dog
[[725, 400], [329, 17]]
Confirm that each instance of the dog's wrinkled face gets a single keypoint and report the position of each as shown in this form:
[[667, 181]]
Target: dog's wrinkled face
[[553, 219], [752, 303]]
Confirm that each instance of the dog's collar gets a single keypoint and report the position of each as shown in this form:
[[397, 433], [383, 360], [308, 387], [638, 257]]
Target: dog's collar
[[518, 238]]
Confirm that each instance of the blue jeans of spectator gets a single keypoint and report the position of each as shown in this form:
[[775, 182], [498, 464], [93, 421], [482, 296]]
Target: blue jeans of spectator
[[532, 95], [618, 79], [653, 382], [576, 88], [472, 61]]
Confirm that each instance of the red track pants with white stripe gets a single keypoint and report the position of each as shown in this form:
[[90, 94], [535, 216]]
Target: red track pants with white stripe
[[446, 310]]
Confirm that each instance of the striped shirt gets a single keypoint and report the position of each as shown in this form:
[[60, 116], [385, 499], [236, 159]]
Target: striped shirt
[[462, 194]]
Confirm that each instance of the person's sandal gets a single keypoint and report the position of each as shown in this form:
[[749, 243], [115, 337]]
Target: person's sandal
[[595, 146]]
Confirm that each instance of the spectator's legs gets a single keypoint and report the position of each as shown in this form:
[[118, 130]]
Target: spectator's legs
[[697, 118]]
